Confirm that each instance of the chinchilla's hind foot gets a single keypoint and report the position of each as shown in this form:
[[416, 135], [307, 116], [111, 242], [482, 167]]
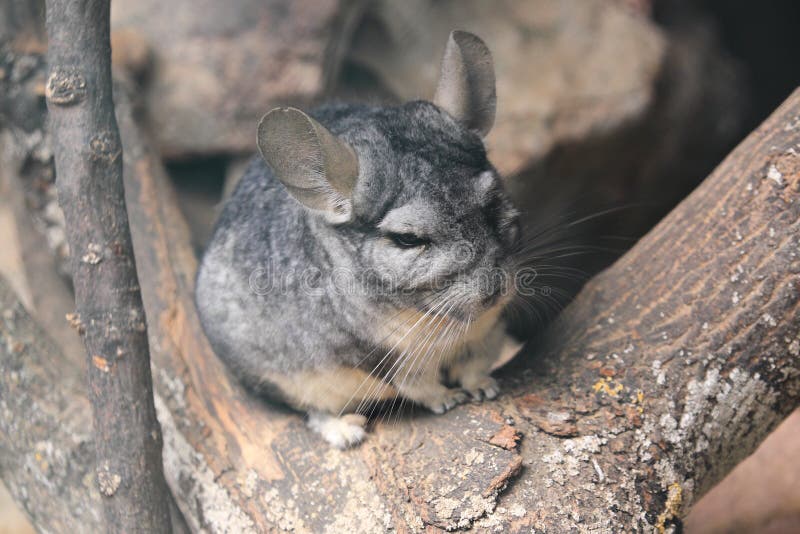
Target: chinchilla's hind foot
[[342, 432]]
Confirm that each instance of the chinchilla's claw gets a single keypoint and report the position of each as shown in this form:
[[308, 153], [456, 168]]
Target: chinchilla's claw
[[487, 388]]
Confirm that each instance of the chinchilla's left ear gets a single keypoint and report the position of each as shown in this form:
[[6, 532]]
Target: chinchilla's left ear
[[316, 167], [466, 87]]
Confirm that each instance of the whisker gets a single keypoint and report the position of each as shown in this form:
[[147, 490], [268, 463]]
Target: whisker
[[428, 348], [415, 352], [384, 358], [369, 394]]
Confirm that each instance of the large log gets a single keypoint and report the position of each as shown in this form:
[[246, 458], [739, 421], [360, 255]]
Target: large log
[[667, 369]]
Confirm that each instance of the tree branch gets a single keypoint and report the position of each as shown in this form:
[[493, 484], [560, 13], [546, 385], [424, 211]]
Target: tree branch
[[680, 358], [88, 159]]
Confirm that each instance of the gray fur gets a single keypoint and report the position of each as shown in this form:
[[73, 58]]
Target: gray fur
[[420, 171]]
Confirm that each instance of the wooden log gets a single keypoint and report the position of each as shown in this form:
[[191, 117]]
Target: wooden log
[[670, 367], [88, 160], [681, 357]]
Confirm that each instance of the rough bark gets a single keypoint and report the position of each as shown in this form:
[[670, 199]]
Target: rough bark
[[667, 369], [46, 454], [88, 161], [683, 355]]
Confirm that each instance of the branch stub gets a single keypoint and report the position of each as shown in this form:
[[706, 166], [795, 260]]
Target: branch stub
[[65, 87]]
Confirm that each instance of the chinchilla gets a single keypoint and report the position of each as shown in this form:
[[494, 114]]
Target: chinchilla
[[368, 254]]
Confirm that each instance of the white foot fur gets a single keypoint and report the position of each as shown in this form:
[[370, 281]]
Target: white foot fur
[[341, 432]]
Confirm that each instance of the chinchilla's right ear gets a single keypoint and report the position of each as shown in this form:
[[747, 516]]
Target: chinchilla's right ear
[[317, 168], [466, 87]]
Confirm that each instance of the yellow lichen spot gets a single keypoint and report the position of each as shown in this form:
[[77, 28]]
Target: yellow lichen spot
[[671, 508], [638, 399], [608, 387]]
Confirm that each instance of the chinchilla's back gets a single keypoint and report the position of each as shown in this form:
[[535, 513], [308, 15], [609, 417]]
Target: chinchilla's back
[[253, 311]]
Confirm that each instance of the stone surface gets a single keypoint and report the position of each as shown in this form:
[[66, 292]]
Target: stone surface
[[761, 495], [217, 67], [565, 69]]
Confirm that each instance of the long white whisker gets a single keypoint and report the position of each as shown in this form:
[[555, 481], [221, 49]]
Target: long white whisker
[[369, 393], [438, 302], [406, 356], [427, 346]]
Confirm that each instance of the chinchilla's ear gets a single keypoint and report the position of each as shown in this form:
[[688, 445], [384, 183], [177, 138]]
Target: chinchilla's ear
[[466, 84], [317, 168]]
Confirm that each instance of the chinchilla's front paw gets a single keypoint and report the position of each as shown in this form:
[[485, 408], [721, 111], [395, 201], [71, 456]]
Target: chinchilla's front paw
[[444, 399], [482, 387], [433, 395]]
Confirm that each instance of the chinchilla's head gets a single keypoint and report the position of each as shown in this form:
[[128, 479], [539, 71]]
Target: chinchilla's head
[[405, 196]]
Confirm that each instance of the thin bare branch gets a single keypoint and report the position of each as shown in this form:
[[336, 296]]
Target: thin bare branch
[[88, 160]]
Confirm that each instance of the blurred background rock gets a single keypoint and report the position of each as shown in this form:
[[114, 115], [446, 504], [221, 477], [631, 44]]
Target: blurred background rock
[[610, 111]]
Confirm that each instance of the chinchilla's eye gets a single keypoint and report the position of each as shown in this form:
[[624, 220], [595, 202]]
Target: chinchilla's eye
[[408, 240]]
